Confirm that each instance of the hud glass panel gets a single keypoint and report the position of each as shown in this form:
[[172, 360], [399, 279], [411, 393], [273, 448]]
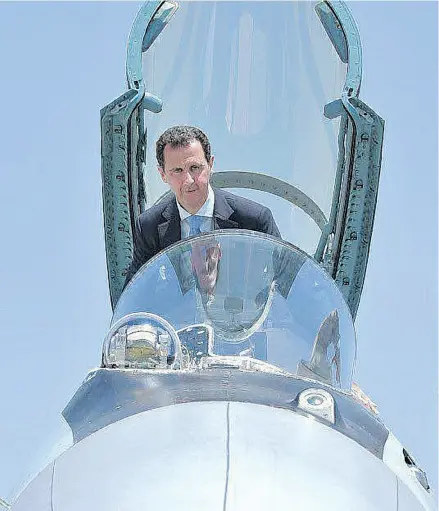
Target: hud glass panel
[[259, 298]]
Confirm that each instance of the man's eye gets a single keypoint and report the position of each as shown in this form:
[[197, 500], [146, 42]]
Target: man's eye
[[195, 168], [177, 171]]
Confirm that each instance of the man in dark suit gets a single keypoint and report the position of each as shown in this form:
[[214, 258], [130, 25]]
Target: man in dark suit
[[185, 164]]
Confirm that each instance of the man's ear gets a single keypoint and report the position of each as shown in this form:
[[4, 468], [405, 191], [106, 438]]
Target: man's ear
[[162, 174], [212, 158]]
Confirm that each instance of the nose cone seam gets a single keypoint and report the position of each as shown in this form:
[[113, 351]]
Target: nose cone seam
[[226, 486]]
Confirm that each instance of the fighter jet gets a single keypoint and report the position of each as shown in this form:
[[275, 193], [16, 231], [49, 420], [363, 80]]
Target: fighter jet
[[228, 383]]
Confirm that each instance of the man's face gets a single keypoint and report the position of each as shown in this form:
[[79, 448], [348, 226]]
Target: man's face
[[205, 260], [187, 173]]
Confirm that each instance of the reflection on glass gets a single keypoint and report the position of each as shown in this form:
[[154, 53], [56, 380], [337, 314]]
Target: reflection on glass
[[244, 294], [323, 365]]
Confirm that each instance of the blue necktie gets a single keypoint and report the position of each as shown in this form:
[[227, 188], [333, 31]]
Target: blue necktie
[[195, 222]]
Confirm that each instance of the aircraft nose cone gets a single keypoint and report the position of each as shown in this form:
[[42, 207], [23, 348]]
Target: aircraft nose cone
[[217, 456]]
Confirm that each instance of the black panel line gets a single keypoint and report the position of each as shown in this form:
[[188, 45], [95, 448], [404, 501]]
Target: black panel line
[[227, 458], [51, 486]]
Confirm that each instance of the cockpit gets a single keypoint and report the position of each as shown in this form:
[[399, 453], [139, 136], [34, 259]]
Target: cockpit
[[235, 299]]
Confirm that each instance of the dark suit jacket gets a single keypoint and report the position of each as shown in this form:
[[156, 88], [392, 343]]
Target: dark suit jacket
[[159, 226]]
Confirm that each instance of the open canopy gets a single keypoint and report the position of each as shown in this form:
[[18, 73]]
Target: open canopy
[[275, 87], [255, 76]]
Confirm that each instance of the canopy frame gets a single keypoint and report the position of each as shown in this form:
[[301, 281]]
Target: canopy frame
[[344, 244]]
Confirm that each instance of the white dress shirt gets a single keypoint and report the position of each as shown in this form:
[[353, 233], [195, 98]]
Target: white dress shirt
[[206, 211]]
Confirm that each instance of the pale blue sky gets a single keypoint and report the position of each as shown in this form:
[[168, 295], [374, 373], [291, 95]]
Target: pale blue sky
[[61, 63]]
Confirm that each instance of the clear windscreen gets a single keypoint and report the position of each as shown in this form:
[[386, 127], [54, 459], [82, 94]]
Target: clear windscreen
[[250, 295], [255, 76]]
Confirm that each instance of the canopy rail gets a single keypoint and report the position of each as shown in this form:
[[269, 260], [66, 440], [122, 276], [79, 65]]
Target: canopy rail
[[123, 143], [345, 251]]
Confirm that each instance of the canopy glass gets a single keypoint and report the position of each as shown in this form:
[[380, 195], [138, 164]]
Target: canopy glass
[[255, 76]]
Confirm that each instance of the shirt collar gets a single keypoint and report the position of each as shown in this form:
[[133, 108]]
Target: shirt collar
[[205, 210]]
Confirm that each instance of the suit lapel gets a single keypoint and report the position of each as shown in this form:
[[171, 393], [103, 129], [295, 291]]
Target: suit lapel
[[222, 212], [169, 231]]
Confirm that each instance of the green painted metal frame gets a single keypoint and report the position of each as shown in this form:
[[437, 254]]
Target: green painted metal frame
[[344, 245], [4, 504], [123, 142]]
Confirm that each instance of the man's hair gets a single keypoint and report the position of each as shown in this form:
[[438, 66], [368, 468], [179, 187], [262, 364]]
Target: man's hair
[[181, 136]]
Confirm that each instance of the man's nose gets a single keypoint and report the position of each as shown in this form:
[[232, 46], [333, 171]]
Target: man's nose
[[189, 177]]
